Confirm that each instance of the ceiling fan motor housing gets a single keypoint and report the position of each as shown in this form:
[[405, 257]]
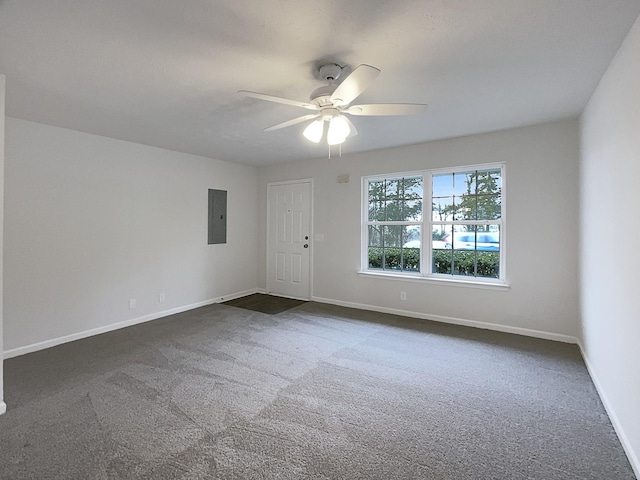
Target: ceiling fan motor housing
[[329, 72], [320, 96]]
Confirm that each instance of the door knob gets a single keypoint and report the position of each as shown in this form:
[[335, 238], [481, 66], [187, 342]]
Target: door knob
[[306, 245]]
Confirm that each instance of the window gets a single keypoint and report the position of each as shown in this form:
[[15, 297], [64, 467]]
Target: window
[[466, 223], [394, 223]]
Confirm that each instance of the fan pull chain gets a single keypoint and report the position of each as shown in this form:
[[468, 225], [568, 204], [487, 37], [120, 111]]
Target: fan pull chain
[[339, 151]]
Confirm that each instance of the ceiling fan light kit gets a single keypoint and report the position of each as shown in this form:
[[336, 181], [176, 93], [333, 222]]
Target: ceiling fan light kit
[[314, 131], [338, 130], [334, 127], [332, 102]]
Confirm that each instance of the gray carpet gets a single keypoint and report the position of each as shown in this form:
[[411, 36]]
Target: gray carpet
[[318, 392]]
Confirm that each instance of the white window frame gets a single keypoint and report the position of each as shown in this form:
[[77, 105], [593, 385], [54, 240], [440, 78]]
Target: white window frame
[[365, 221], [427, 224]]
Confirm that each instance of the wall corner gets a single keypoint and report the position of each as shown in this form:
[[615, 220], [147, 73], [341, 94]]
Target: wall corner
[[3, 406]]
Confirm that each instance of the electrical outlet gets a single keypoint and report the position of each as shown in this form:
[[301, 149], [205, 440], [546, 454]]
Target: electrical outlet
[[161, 297], [132, 303], [403, 296]]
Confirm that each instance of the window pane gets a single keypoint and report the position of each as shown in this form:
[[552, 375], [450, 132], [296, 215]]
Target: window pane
[[412, 210], [447, 196], [480, 207], [375, 258], [466, 182], [392, 259], [376, 190], [473, 195], [411, 236], [385, 251], [442, 261], [442, 209], [375, 236], [393, 210], [489, 182], [486, 238], [412, 188], [439, 236], [393, 187], [392, 235], [488, 264], [411, 248], [489, 207], [487, 200], [411, 259], [442, 255], [443, 185], [376, 211], [464, 262], [466, 207], [471, 250], [465, 239]]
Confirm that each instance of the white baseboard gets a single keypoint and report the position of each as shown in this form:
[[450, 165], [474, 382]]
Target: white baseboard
[[34, 347], [455, 321], [617, 425], [292, 297]]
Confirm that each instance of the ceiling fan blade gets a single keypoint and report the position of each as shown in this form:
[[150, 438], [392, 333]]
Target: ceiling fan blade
[[271, 98], [386, 109], [294, 121], [354, 84]]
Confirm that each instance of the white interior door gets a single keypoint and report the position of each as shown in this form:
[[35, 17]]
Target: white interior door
[[289, 239]]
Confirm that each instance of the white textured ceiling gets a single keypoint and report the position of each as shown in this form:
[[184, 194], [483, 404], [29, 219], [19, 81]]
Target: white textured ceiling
[[166, 72]]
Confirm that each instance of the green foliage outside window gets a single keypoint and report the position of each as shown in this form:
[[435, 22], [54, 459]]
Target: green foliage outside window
[[467, 263], [401, 259]]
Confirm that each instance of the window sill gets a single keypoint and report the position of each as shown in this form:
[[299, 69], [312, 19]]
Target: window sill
[[437, 280]]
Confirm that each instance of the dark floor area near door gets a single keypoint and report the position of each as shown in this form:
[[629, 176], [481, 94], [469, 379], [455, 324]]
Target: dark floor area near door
[[259, 302]]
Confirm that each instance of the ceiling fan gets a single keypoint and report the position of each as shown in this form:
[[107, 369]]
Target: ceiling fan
[[331, 102]]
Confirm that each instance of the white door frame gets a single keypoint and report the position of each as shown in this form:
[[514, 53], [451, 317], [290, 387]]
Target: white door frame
[[291, 182]]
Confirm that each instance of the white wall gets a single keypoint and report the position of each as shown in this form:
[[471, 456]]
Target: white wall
[[91, 222], [610, 229], [542, 229], [3, 407]]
